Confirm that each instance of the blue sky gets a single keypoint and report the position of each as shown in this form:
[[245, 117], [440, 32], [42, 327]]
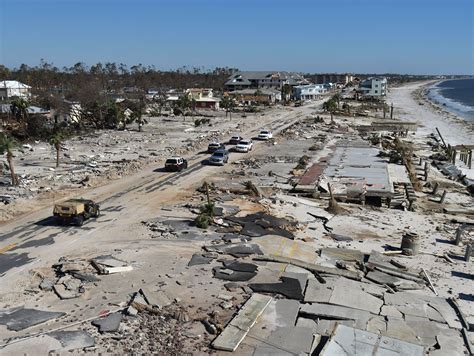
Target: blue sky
[[361, 36]]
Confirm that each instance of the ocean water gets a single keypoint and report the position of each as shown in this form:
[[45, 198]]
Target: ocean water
[[456, 96]]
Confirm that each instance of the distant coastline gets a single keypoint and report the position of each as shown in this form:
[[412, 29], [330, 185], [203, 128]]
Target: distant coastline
[[453, 104], [420, 95]]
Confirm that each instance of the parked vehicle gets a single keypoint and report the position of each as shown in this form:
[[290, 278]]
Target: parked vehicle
[[235, 139], [265, 135], [214, 146], [76, 211], [219, 157], [176, 164], [244, 146]]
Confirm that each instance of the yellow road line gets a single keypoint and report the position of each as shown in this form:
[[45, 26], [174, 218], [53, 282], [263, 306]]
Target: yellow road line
[[7, 248]]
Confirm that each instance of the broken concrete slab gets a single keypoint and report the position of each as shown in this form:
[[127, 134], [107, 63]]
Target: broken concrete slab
[[155, 298], [85, 277], [286, 312], [261, 224], [390, 310], [377, 324], [290, 340], [279, 313], [47, 284], [447, 313], [109, 261], [342, 254], [326, 311], [311, 266], [392, 281], [340, 238], [65, 293], [426, 330], [289, 287], [441, 305], [399, 329], [240, 266], [230, 275], [317, 292], [301, 277], [241, 324], [112, 270], [346, 294], [347, 341], [420, 310], [109, 323], [448, 344], [23, 318], [236, 250], [199, 259], [72, 340], [283, 247]]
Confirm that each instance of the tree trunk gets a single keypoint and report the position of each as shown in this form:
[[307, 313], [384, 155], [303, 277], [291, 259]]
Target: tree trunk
[[12, 169], [58, 149]]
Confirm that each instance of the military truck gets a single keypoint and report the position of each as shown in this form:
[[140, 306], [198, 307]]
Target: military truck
[[76, 211]]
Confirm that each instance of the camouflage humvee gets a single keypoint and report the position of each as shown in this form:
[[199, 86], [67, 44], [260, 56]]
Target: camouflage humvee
[[76, 211]]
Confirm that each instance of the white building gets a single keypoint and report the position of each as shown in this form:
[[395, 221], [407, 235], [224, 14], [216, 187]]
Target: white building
[[308, 92], [374, 87], [12, 88], [264, 80], [71, 112]]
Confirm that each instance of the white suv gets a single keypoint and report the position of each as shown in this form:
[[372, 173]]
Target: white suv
[[244, 146], [265, 135]]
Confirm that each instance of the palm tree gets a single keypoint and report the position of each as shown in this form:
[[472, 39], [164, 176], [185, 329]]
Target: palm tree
[[137, 116], [337, 98], [330, 106], [228, 104], [182, 104], [56, 140], [7, 144], [19, 109], [286, 91]]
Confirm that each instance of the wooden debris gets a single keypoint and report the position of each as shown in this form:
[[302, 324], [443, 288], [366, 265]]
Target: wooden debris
[[311, 266], [429, 281]]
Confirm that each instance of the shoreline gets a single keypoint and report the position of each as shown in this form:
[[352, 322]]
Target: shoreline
[[446, 104], [411, 104], [442, 113], [422, 95]]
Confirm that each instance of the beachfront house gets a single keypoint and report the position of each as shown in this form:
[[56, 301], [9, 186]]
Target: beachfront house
[[203, 98], [12, 88], [308, 92], [256, 96], [333, 78], [263, 80], [374, 87]]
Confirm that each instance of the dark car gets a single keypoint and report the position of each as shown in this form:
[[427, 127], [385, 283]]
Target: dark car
[[176, 164], [235, 139], [219, 157], [214, 146]]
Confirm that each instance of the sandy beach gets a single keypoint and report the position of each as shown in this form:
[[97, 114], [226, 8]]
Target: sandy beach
[[411, 104]]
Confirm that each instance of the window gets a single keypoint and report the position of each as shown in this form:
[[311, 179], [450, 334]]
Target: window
[[376, 91]]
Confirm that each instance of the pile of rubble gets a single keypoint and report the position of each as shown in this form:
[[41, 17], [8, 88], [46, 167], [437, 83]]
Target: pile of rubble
[[347, 291]]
